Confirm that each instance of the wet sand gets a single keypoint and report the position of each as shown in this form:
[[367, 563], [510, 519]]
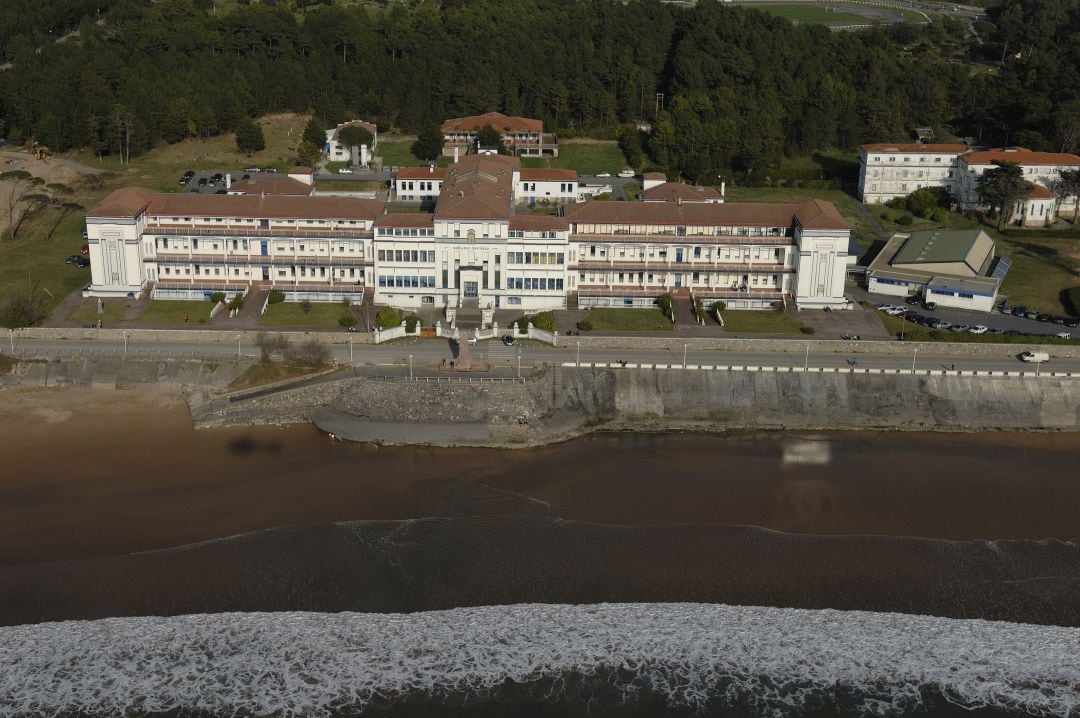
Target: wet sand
[[98, 472]]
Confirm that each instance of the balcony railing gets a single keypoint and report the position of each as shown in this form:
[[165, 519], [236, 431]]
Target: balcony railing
[[256, 259], [654, 265], [269, 232], [684, 239]]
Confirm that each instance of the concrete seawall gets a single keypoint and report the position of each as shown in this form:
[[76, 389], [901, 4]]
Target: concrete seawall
[[561, 402]]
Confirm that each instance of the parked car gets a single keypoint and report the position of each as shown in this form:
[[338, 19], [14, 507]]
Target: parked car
[[85, 249], [940, 324], [82, 262], [344, 171], [202, 181], [508, 340], [1072, 322], [995, 330], [1036, 357], [218, 177], [1020, 311], [251, 169], [72, 259], [979, 329], [913, 300], [1044, 318], [603, 174], [270, 170], [895, 311], [929, 306], [960, 328], [627, 174]]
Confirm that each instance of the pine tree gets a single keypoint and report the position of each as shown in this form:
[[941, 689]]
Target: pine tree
[[315, 133], [249, 136], [429, 143]]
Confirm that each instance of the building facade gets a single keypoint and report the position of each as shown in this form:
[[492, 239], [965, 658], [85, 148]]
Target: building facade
[[888, 171], [474, 249], [523, 136]]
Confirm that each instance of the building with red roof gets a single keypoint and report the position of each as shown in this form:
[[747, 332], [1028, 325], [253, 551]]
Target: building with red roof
[[522, 135]]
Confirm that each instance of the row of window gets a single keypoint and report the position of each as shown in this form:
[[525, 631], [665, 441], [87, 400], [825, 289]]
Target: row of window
[[406, 232], [922, 158], [682, 230], [313, 272], [564, 187], [704, 278], [520, 234], [540, 283], [217, 244], [682, 254], [424, 186], [535, 258], [413, 280], [407, 255]]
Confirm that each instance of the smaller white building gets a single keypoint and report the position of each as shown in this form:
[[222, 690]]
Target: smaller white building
[[1040, 168], [421, 185], [1037, 209], [949, 267], [554, 186], [336, 152], [890, 170]]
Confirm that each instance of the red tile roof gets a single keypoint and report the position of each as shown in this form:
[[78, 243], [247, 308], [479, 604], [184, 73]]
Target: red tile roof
[[914, 147], [428, 172], [499, 121], [814, 214], [541, 174], [675, 191], [406, 219], [1039, 192], [124, 202], [654, 176], [129, 202], [538, 222], [478, 187], [1019, 155]]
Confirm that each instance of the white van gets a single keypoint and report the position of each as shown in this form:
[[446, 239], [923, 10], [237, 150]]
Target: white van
[[627, 174], [1037, 357]]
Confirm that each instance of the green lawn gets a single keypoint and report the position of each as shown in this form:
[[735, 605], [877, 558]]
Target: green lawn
[[587, 158], [350, 185], [628, 320], [31, 261], [759, 321], [172, 311], [1042, 268], [849, 207], [292, 314], [917, 333], [399, 154], [114, 311], [828, 164]]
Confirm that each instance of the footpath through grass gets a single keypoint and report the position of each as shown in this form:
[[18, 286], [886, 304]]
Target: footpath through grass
[[605, 319], [763, 321], [293, 314]]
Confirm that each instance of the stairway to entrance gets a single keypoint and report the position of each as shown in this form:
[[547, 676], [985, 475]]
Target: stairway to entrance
[[684, 308], [468, 314]]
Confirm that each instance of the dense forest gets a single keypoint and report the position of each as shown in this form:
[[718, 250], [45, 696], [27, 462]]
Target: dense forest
[[741, 88]]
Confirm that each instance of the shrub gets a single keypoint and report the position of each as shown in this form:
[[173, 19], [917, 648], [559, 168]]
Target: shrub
[[270, 343], [545, 321], [237, 302], [936, 335], [939, 215], [311, 352], [1072, 300], [347, 321], [387, 317], [305, 306], [522, 325], [904, 220], [21, 309], [276, 296], [410, 323], [719, 305], [664, 302], [699, 308], [806, 330], [217, 297], [585, 325]]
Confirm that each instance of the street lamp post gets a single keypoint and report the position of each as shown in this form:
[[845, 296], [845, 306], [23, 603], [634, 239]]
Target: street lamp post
[[683, 356], [410, 367], [519, 364], [913, 358], [11, 336], [578, 355], [238, 336], [806, 359], [125, 342], [350, 351]]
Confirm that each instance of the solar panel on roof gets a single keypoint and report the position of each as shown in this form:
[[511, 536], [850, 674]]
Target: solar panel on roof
[[1002, 267]]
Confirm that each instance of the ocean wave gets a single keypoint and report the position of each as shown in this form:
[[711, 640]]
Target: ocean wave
[[693, 658]]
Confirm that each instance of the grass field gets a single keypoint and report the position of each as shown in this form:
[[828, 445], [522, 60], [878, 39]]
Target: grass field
[[1041, 270], [628, 320], [804, 12], [350, 185], [114, 311], [170, 311], [398, 154], [586, 157], [764, 321], [292, 314], [270, 372]]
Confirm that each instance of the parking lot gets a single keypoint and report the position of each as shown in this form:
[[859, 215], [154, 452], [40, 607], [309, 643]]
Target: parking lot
[[213, 181]]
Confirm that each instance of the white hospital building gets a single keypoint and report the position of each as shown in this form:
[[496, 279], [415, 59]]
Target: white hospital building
[[479, 247]]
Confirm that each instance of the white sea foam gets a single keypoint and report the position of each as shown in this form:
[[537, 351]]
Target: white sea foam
[[308, 664]]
